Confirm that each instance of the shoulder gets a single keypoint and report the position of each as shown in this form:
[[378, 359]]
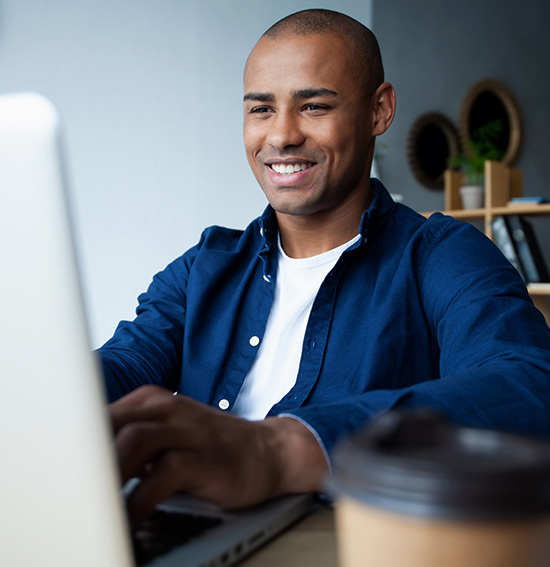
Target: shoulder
[[444, 235], [217, 242], [430, 233], [223, 238], [445, 244], [462, 267], [223, 241], [404, 228], [446, 254], [433, 227], [217, 247], [397, 224]]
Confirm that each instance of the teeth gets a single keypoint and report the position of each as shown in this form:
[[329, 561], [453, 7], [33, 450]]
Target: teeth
[[290, 168]]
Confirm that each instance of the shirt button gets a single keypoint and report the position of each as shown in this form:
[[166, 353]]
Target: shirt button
[[223, 404], [254, 341]]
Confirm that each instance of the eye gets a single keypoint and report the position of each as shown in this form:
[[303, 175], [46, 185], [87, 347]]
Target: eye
[[314, 107], [260, 110]]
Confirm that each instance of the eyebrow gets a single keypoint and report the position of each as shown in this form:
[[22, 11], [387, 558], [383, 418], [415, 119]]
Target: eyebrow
[[260, 97], [296, 95], [312, 93]]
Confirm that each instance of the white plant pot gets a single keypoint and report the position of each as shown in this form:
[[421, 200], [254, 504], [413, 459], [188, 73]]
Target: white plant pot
[[473, 196]]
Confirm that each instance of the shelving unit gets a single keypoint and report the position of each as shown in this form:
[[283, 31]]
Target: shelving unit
[[501, 185]]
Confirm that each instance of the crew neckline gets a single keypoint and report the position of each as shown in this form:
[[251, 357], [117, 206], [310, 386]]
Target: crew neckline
[[318, 259]]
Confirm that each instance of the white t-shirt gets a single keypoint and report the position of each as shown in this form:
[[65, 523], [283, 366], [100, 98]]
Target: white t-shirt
[[275, 368]]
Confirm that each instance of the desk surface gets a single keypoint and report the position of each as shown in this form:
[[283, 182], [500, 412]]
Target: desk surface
[[312, 541]]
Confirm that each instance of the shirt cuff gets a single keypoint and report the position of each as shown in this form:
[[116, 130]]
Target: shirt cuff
[[315, 434]]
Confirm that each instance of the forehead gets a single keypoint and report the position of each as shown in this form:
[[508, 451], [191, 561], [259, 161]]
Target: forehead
[[316, 60]]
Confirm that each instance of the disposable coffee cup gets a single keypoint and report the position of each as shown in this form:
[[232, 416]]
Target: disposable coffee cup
[[412, 490]]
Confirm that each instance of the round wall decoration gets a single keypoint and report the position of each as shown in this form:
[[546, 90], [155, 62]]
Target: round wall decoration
[[433, 139], [487, 103]]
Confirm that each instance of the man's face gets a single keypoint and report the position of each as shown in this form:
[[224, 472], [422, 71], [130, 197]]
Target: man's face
[[307, 123]]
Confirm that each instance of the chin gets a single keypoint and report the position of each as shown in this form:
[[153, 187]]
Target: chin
[[284, 202], [293, 209]]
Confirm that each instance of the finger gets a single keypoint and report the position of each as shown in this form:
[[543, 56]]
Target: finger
[[164, 480], [144, 404], [158, 404], [139, 444], [142, 395], [122, 416]]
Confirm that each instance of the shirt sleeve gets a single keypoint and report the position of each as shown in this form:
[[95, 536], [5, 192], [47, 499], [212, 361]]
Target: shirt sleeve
[[148, 349], [494, 347]]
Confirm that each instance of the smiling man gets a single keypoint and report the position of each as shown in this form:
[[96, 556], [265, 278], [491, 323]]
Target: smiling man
[[309, 124], [335, 305]]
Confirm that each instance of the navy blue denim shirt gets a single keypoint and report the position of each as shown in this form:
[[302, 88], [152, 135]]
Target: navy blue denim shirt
[[419, 312]]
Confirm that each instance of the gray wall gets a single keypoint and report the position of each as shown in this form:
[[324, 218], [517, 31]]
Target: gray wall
[[434, 51], [151, 93]]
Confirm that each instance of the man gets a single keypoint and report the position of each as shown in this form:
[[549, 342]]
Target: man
[[336, 305]]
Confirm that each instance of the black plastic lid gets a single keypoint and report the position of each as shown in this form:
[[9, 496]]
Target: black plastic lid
[[418, 463]]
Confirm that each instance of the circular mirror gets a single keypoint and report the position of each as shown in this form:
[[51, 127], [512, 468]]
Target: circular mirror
[[433, 139], [489, 109]]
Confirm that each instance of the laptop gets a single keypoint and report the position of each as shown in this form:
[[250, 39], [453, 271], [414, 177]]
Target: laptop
[[60, 497]]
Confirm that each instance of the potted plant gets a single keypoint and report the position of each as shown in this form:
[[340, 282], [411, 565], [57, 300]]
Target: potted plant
[[478, 149]]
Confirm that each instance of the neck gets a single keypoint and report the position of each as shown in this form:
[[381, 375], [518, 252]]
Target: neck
[[303, 236]]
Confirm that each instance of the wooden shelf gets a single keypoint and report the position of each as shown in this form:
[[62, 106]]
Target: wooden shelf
[[542, 209], [531, 210], [539, 288]]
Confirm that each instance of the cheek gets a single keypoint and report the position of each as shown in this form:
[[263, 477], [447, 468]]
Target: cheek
[[342, 151], [338, 140], [252, 136], [251, 147], [247, 143], [354, 144], [349, 158], [252, 164]]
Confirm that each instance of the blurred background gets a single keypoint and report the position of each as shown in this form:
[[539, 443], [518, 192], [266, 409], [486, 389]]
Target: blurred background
[[151, 96]]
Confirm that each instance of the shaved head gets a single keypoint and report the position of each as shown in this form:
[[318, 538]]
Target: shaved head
[[363, 43]]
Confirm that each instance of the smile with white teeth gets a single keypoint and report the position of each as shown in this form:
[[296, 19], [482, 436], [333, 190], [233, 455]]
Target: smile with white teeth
[[288, 169]]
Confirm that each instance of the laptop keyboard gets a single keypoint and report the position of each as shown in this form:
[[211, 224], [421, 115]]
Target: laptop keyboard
[[165, 530]]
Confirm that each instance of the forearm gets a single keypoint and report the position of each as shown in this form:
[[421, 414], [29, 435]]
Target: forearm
[[125, 371], [148, 349], [298, 462], [507, 396]]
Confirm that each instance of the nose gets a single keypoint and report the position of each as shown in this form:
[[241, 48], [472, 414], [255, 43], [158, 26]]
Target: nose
[[284, 131]]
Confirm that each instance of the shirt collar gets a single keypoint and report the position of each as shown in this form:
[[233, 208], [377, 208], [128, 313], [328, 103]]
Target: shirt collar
[[372, 220], [268, 227], [380, 210]]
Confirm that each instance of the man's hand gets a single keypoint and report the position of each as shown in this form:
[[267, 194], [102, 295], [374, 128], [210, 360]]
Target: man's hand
[[174, 443]]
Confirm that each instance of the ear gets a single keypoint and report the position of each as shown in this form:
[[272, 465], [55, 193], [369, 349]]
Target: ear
[[383, 108]]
